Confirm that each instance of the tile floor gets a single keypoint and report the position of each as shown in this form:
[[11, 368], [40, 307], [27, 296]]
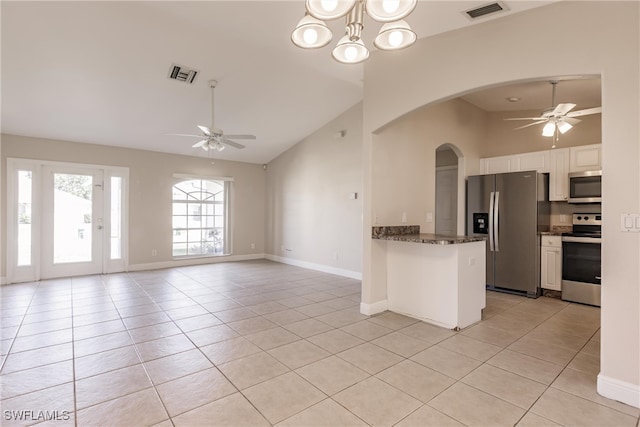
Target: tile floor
[[261, 343]]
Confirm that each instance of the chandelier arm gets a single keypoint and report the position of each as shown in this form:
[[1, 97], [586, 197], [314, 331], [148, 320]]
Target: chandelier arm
[[355, 21]]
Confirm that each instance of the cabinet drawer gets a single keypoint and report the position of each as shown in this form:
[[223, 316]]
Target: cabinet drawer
[[551, 241]]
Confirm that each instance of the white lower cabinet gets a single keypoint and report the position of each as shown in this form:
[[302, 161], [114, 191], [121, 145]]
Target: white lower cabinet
[[551, 263]]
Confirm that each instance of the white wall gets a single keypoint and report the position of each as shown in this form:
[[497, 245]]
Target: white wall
[[150, 182], [604, 40], [310, 219], [404, 160]]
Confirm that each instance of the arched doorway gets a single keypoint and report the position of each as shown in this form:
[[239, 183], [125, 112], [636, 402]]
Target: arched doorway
[[446, 203]]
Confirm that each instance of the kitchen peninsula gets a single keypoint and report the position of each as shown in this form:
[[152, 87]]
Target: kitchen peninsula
[[435, 278]]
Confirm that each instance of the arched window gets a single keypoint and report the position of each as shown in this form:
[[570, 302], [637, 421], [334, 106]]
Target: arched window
[[200, 218]]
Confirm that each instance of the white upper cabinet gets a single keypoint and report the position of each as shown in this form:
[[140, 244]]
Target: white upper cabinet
[[558, 163], [537, 161], [498, 165], [559, 174], [585, 158]]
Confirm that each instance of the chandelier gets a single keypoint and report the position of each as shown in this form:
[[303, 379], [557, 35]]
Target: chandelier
[[312, 32]]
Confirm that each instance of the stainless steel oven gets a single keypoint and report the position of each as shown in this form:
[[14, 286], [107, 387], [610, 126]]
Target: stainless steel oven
[[581, 260]]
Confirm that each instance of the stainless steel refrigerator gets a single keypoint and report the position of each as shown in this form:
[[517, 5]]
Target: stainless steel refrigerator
[[510, 210]]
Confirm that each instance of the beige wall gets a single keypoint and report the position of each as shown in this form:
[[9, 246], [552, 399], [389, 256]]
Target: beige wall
[[309, 212], [503, 140], [404, 160], [604, 39], [150, 182]]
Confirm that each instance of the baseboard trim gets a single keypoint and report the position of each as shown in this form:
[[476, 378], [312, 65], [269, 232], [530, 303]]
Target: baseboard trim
[[318, 267], [193, 261], [375, 308], [621, 391]]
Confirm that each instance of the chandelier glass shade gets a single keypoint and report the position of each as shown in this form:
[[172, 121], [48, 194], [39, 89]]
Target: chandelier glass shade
[[395, 35], [311, 32], [350, 52]]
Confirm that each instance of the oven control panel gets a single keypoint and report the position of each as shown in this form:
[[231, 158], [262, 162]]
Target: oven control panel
[[587, 219]]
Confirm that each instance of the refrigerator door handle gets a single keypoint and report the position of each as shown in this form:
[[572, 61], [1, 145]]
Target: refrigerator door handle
[[491, 198], [496, 214]]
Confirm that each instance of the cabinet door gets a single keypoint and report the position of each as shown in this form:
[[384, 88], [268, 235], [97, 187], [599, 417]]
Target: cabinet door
[[498, 165], [585, 158], [537, 161], [559, 174], [551, 268]]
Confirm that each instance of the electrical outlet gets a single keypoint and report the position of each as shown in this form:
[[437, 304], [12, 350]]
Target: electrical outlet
[[154, 252], [404, 217], [335, 256], [253, 246]]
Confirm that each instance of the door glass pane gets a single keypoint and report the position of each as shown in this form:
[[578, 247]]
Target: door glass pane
[[72, 217], [24, 217], [116, 217]]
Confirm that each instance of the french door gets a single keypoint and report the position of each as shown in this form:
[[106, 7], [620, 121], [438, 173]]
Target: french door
[[65, 219], [72, 223]]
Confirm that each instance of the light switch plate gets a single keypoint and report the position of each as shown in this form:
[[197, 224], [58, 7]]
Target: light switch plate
[[630, 222]]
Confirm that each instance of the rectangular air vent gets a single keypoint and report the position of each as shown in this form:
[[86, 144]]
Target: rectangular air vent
[[182, 74], [487, 9]]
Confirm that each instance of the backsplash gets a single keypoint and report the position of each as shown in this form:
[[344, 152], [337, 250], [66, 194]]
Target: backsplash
[[394, 230], [561, 212]]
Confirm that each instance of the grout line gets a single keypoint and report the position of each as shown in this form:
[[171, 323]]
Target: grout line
[[15, 336]]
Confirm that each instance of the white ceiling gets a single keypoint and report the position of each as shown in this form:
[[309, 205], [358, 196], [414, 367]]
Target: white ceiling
[[96, 72]]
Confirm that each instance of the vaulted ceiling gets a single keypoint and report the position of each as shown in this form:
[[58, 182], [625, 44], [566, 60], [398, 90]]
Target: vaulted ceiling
[[97, 72]]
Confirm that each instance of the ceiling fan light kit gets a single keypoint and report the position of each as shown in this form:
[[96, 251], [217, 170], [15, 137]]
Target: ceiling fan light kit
[[558, 118], [312, 33]]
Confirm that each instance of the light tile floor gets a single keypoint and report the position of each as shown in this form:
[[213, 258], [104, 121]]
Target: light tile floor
[[261, 343]]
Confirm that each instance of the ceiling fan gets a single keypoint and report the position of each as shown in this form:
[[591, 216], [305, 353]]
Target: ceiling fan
[[558, 117], [213, 138]]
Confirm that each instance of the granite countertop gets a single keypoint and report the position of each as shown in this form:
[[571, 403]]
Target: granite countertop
[[433, 239], [411, 234]]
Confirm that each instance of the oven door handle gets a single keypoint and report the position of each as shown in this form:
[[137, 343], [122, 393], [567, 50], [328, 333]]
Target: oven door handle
[[572, 239]]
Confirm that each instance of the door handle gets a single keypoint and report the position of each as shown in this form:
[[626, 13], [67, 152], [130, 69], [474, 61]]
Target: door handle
[[491, 199], [100, 227], [598, 277], [496, 222]]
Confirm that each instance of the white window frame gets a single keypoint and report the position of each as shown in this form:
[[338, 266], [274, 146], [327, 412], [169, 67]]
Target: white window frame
[[228, 209]]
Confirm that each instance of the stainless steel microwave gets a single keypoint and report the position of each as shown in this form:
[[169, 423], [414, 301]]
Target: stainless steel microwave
[[585, 187]]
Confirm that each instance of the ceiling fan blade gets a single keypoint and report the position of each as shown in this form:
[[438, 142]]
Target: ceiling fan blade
[[527, 118], [233, 144], [205, 130], [571, 120], [562, 109], [594, 110], [183, 134], [200, 143], [241, 136], [530, 124]]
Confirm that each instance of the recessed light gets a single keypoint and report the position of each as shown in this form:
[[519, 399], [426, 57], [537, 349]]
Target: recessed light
[[513, 99]]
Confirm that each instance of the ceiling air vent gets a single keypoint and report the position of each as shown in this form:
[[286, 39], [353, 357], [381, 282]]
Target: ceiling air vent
[[182, 74], [485, 10]]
